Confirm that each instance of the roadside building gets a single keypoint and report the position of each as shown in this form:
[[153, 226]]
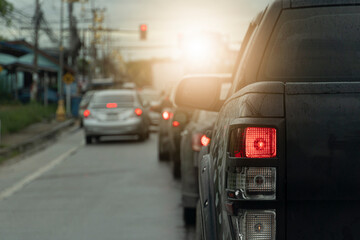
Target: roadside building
[[17, 65]]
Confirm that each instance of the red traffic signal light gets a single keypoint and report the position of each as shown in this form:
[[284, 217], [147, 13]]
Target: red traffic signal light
[[143, 31], [143, 27]]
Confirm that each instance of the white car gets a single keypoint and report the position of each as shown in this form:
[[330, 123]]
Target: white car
[[115, 112]]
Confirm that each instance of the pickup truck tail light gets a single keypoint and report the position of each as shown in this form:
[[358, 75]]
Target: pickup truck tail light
[[253, 142], [260, 142], [247, 179], [252, 183], [255, 225]]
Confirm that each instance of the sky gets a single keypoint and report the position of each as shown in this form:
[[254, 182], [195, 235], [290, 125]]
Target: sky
[[166, 19]]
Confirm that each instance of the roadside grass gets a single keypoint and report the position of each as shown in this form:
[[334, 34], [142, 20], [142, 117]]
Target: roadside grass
[[16, 116], [9, 156]]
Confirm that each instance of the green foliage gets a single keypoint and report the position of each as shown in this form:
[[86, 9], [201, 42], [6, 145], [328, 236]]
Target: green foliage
[[5, 9], [4, 95], [83, 65], [15, 117], [140, 72], [10, 155]]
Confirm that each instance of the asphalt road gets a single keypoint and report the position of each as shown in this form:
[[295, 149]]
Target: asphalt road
[[111, 190]]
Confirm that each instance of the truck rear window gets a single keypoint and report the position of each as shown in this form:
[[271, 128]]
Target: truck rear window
[[315, 44]]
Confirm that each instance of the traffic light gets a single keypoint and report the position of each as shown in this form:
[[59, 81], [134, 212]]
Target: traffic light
[[143, 31]]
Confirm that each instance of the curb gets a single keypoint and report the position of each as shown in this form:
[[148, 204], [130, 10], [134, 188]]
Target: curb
[[34, 141]]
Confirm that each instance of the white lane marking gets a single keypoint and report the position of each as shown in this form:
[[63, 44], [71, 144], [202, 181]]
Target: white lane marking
[[19, 185]]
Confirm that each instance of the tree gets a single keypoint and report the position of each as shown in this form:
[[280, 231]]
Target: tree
[[6, 9], [140, 72]]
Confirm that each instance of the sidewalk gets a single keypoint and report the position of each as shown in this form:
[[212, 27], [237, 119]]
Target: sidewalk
[[30, 137]]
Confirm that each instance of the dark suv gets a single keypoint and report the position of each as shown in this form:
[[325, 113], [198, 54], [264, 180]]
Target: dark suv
[[284, 159]]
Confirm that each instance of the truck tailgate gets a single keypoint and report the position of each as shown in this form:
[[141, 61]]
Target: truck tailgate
[[323, 160]]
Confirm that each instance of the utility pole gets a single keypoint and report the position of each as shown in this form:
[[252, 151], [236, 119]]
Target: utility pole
[[60, 112], [68, 86], [92, 48], [98, 20], [84, 43], [37, 21]]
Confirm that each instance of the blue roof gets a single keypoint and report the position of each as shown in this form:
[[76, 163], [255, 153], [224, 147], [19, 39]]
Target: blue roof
[[19, 47], [6, 59], [42, 62]]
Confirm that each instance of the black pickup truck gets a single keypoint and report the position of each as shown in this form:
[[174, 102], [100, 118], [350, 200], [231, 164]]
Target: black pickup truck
[[284, 161]]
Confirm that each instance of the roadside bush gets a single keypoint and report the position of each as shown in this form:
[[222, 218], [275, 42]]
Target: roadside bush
[[15, 117]]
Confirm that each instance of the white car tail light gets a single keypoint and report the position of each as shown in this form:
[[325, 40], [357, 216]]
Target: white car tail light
[[86, 113], [111, 105], [138, 111], [255, 225], [252, 183]]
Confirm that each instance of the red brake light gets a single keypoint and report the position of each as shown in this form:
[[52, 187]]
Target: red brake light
[[86, 113], [143, 27], [111, 105], [138, 111], [175, 123], [205, 140], [198, 141], [260, 142], [166, 115]]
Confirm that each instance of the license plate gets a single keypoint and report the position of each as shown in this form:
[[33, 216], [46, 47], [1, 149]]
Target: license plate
[[112, 117]]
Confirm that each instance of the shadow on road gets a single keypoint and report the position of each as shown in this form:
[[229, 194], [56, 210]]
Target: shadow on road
[[110, 140]]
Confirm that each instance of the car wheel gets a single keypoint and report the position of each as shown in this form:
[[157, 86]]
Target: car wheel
[[176, 166], [162, 154], [189, 216], [142, 137], [176, 170], [88, 140], [198, 225]]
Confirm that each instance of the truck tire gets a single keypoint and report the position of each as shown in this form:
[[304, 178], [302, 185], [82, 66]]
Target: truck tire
[[176, 170], [163, 155], [88, 140], [143, 136], [198, 224], [189, 216]]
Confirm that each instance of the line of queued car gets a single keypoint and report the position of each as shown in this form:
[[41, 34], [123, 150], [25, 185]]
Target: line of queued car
[[182, 135], [283, 162], [280, 159], [116, 112]]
